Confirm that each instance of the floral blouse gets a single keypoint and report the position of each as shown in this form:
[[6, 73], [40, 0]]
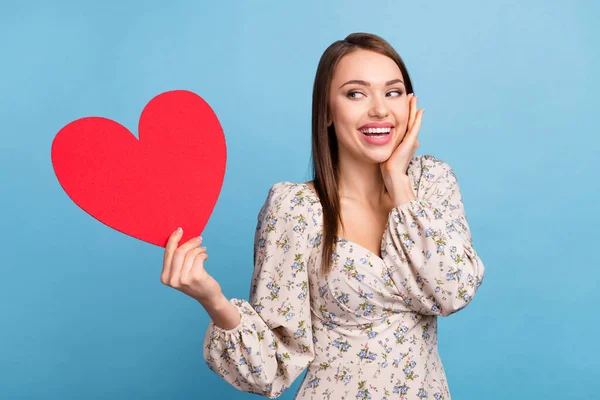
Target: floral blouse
[[367, 330]]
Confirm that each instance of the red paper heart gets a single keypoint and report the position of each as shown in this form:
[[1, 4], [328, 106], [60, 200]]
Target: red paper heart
[[172, 176]]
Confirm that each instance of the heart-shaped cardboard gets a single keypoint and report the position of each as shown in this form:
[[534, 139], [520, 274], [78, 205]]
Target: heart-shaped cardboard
[[171, 177]]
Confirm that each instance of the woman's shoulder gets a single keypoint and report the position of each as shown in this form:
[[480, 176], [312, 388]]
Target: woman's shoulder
[[286, 196], [429, 167], [427, 161], [432, 179]]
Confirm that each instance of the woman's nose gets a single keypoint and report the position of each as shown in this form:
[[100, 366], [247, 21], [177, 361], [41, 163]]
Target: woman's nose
[[379, 108]]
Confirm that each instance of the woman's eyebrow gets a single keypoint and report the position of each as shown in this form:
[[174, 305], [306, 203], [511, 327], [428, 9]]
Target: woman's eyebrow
[[365, 83]]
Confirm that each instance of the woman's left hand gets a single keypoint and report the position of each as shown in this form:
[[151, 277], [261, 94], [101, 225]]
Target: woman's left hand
[[394, 169]]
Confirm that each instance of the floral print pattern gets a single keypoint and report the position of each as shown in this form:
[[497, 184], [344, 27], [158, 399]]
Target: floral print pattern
[[367, 330]]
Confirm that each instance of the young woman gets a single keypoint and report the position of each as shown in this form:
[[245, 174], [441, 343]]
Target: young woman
[[352, 269]]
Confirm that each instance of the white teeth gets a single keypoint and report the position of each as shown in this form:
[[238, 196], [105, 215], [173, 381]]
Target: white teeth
[[376, 130]]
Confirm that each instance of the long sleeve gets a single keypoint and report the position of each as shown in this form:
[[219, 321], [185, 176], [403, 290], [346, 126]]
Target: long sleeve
[[428, 247], [273, 344]]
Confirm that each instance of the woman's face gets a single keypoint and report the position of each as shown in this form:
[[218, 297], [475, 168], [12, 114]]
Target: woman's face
[[368, 106]]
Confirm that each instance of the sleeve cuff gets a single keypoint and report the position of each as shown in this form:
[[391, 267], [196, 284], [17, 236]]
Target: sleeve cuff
[[411, 205], [233, 331]]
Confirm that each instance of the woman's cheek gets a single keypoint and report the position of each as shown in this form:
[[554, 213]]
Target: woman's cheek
[[403, 123]]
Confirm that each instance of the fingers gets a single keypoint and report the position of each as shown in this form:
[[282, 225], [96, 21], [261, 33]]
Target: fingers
[[191, 262], [412, 105], [180, 264], [415, 118], [170, 248], [179, 258], [417, 127], [196, 272], [174, 257]]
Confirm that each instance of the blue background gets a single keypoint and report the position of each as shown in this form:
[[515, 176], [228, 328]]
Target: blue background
[[510, 90]]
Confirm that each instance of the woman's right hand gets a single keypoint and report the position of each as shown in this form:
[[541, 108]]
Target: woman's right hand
[[183, 269]]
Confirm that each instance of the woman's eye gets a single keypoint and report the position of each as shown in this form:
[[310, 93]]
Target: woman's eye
[[354, 95]]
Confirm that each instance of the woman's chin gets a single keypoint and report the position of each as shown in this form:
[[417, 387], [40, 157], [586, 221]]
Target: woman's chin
[[377, 156]]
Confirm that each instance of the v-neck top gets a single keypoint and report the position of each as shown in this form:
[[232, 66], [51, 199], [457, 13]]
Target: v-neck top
[[368, 329], [338, 239]]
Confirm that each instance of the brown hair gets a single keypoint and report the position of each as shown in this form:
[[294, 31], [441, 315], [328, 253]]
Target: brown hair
[[324, 142]]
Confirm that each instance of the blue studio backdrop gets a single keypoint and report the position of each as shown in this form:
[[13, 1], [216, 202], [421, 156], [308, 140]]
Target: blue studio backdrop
[[510, 91]]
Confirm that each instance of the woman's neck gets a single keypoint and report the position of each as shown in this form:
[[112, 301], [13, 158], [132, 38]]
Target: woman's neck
[[362, 182]]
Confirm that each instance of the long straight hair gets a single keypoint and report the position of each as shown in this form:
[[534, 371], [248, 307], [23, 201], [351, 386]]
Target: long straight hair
[[324, 142]]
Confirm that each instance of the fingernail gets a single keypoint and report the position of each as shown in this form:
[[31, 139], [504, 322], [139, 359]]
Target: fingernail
[[179, 230], [199, 238]]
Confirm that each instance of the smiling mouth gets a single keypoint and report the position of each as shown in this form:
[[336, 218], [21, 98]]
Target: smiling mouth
[[376, 132]]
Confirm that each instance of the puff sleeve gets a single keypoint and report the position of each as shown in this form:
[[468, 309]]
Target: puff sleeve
[[273, 343], [427, 244]]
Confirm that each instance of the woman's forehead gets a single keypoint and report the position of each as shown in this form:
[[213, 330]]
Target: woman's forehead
[[368, 66]]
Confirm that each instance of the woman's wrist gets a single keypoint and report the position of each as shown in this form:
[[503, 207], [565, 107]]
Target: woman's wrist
[[223, 314], [402, 192]]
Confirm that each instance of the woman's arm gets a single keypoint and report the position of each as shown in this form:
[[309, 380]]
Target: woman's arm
[[222, 312], [428, 246], [272, 343]]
